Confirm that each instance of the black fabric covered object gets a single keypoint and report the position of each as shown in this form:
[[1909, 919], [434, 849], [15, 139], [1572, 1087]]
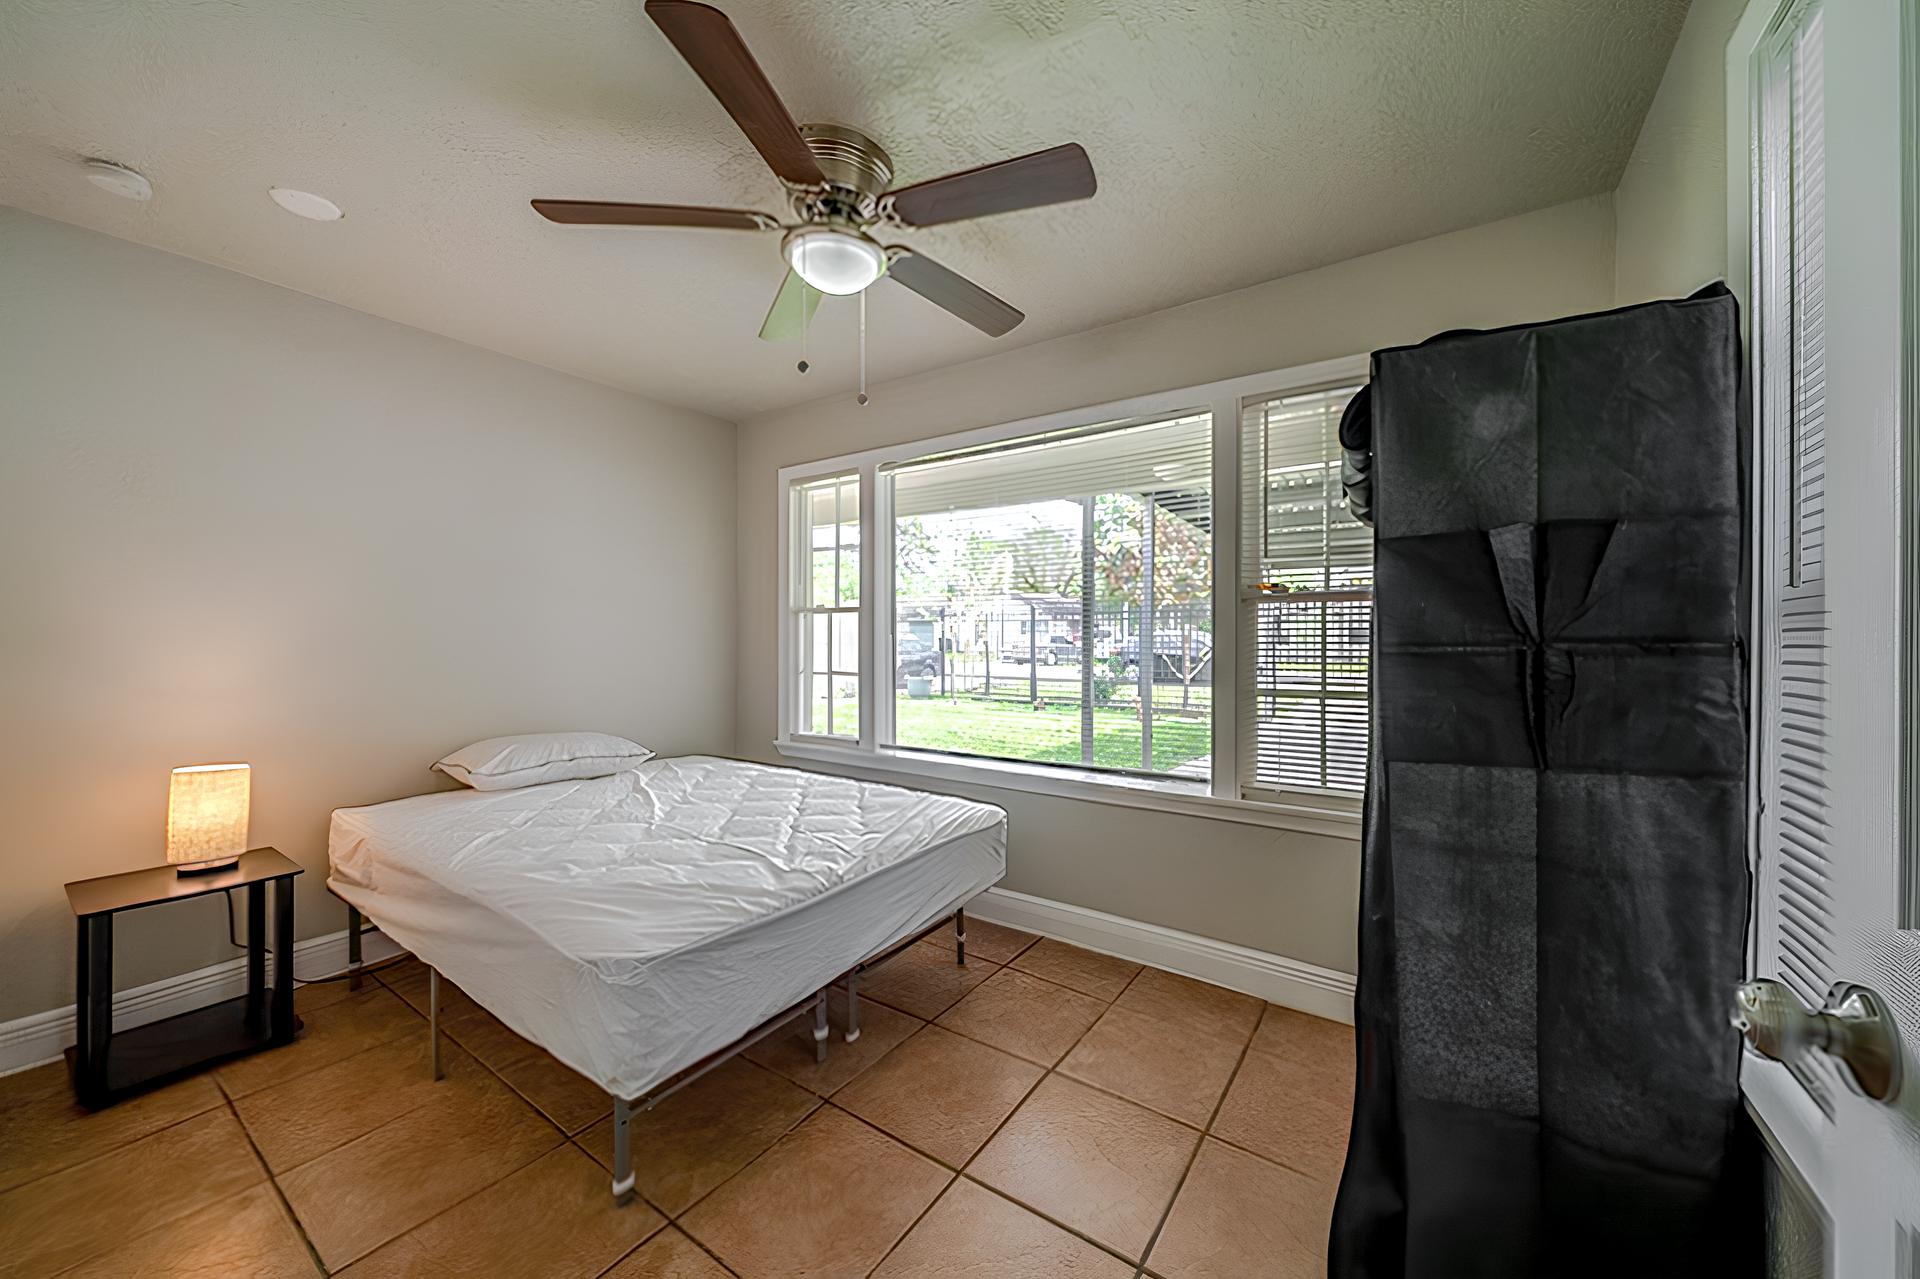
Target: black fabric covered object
[[1554, 890], [1356, 455]]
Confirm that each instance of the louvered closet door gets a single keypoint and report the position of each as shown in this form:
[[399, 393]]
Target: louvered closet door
[[1824, 145], [1796, 913]]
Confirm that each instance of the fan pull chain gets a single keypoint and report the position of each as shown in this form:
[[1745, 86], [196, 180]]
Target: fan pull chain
[[804, 316], [862, 398]]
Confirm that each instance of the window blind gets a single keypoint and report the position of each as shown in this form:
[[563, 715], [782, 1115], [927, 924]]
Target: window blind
[[1307, 601], [1052, 598]]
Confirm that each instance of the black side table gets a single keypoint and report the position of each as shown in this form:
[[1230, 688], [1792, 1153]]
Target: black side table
[[109, 1067]]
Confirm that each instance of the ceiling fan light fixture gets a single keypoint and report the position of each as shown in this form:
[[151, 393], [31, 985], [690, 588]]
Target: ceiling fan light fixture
[[834, 261]]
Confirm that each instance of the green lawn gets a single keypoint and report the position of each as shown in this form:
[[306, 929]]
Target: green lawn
[[1047, 734]]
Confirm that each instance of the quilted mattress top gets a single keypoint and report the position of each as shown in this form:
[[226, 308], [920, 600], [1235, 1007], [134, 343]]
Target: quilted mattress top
[[648, 862]]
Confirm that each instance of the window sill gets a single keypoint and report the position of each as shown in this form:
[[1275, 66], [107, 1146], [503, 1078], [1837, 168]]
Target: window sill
[[1312, 815]]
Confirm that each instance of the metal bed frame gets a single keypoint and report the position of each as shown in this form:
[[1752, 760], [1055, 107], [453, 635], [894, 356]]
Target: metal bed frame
[[625, 1108]]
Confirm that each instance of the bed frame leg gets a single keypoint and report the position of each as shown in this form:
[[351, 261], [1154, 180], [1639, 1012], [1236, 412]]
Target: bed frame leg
[[433, 1018], [622, 1152], [353, 947], [960, 936], [820, 1031], [853, 1006]]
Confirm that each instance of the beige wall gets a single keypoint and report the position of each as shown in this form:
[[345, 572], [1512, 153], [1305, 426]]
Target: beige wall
[[1670, 209], [1278, 891], [241, 523]]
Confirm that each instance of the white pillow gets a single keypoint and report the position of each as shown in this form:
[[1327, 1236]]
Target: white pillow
[[502, 763]]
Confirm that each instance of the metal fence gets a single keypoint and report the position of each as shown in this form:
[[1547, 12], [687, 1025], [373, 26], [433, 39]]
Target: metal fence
[[978, 667]]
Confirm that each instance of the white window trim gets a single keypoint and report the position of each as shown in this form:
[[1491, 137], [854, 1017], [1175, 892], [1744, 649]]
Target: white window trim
[[791, 696], [1308, 811]]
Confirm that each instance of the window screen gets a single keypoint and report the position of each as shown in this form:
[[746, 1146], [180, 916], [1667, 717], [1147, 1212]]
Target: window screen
[[1307, 601], [1052, 599]]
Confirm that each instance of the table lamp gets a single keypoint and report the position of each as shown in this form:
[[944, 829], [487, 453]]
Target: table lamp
[[207, 816]]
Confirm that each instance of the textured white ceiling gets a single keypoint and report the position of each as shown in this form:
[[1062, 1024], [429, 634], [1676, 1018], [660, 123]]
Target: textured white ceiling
[[1235, 141]]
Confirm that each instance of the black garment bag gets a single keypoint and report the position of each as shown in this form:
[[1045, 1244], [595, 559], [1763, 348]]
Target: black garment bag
[[1554, 894]]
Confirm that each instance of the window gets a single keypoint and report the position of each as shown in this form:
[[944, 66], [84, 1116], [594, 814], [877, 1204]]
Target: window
[[1307, 600], [827, 606], [1052, 599], [1160, 602]]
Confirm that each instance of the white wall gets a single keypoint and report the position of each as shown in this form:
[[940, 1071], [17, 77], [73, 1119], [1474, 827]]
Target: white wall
[[1286, 893], [1670, 209], [242, 523]]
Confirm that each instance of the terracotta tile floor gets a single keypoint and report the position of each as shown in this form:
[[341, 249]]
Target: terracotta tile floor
[[1043, 1113]]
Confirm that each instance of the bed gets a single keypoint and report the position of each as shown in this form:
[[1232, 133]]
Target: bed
[[644, 925]]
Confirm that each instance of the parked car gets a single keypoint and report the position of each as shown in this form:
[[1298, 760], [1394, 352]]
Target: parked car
[[916, 657], [1177, 654], [1055, 650]]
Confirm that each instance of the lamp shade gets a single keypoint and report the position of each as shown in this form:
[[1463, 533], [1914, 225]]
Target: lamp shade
[[207, 811]]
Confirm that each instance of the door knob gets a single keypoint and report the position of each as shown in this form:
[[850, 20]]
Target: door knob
[[1855, 1028]]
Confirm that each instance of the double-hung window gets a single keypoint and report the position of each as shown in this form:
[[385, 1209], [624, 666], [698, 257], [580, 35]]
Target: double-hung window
[[1162, 601], [826, 595]]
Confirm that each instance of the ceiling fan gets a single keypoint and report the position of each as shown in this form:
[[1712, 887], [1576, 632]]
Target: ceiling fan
[[837, 179]]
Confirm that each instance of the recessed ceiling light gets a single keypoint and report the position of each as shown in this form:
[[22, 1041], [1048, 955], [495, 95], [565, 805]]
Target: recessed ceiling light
[[119, 179], [306, 204]]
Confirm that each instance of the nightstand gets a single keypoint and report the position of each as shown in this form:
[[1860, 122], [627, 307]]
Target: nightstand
[[108, 1066]]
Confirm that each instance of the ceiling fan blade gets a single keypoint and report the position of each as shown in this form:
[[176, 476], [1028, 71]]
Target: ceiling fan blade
[[617, 213], [791, 312], [1053, 176], [717, 54], [955, 293]]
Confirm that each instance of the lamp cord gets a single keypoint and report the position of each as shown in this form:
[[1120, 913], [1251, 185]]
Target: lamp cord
[[233, 938]]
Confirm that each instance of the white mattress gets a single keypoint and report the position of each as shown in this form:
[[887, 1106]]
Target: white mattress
[[633, 924]]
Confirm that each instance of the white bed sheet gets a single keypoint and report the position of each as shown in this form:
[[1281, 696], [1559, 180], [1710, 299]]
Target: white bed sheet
[[633, 924]]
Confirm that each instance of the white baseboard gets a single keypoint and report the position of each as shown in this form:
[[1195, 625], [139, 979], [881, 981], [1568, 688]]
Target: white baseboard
[[1324, 992], [39, 1038]]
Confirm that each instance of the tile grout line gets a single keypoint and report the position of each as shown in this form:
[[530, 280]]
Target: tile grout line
[[214, 1073], [960, 1172], [1166, 1214], [577, 1144], [442, 1212], [565, 1139], [654, 1234], [1048, 1067], [121, 1147], [1062, 1226], [915, 1223], [225, 1100], [487, 1066], [233, 1102], [821, 1101], [1268, 1159], [273, 1180], [1047, 1073], [826, 1100]]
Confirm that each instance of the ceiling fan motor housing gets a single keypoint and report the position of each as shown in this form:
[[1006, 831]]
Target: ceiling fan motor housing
[[858, 171]]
